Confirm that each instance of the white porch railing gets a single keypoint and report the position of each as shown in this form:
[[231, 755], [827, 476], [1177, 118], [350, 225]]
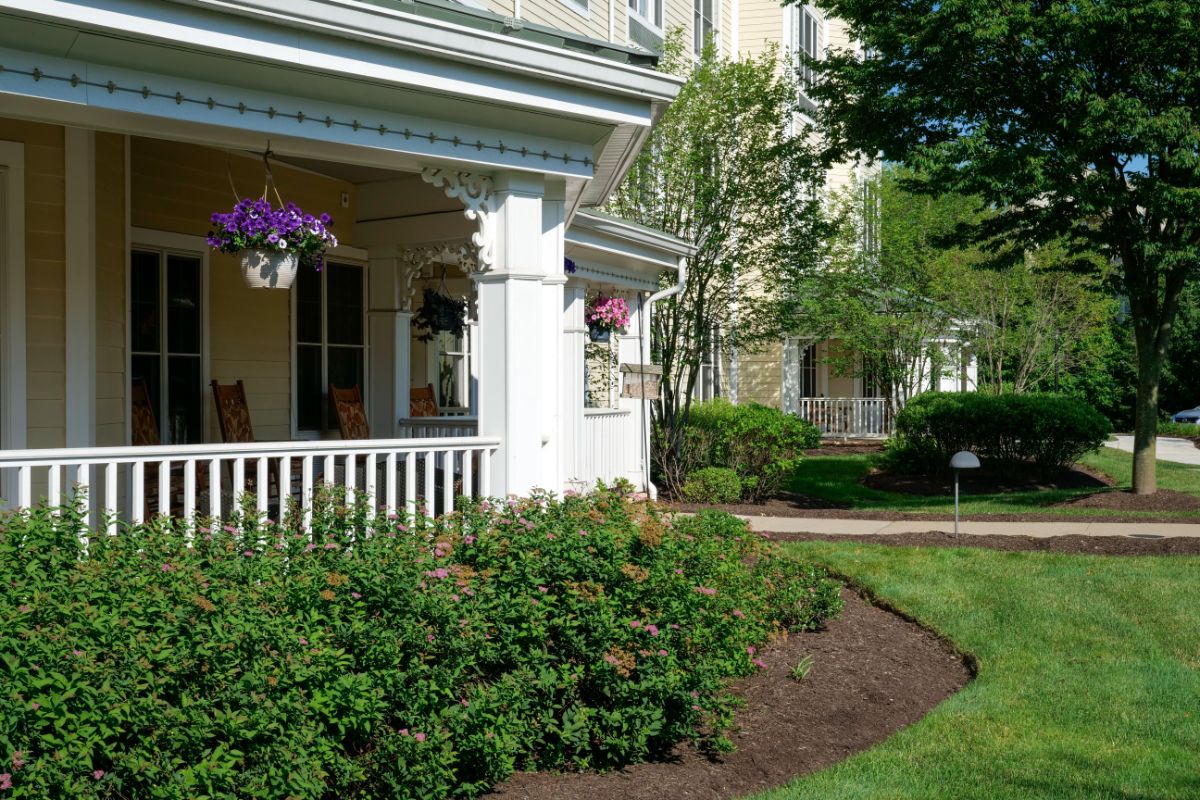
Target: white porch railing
[[604, 451], [126, 483], [850, 417], [438, 427]]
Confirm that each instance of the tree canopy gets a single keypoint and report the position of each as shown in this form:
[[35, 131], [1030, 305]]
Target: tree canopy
[[1075, 120]]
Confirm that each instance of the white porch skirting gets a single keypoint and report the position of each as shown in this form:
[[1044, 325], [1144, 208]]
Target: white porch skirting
[[608, 447], [128, 483], [849, 417]]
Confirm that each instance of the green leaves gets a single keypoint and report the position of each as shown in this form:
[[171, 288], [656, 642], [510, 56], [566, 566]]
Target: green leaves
[[425, 660]]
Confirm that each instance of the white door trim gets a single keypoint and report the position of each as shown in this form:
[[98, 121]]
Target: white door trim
[[13, 399]]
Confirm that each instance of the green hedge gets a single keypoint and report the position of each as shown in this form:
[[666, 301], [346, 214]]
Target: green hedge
[[713, 485], [1010, 432], [427, 660], [762, 445]]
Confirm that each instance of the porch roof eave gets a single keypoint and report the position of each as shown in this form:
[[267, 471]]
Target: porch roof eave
[[613, 250]]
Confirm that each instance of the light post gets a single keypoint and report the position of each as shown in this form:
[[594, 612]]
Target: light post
[[963, 459]]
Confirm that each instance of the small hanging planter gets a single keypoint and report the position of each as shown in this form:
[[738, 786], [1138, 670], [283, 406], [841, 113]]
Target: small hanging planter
[[604, 315], [273, 242]]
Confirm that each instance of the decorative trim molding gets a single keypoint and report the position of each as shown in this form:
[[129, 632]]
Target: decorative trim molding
[[413, 260], [476, 193]]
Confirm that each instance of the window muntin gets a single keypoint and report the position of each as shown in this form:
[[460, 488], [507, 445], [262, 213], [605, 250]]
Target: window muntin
[[166, 339], [330, 340]]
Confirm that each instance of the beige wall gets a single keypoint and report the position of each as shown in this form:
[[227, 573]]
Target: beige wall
[[761, 23], [176, 188], [45, 285], [760, 376]]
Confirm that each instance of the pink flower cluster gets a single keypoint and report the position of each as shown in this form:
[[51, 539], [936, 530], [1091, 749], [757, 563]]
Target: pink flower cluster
[[608, 313]]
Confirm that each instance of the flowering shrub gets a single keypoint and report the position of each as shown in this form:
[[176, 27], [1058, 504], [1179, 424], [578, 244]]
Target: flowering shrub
[[418, 660], [608, 313], [255, 225]]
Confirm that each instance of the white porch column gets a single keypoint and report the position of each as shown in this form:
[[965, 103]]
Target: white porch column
[[574, 333], [80, 303], [390, 318], [519, 378]]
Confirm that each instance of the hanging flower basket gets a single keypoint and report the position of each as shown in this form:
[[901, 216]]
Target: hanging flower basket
[[604, 315], [273, 241], [439, 313], [269, 269]]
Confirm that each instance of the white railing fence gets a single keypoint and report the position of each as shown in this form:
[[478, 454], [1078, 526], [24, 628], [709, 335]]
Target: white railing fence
[[850, 417], [604, 450], [438, 427], [133, 483]]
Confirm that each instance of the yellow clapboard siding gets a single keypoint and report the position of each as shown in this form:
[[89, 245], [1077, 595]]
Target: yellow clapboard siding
[[111, 260]]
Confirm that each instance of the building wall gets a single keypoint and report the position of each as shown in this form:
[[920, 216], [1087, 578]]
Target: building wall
[[760, 24], [176, 188], [111, 280], [45, 279]]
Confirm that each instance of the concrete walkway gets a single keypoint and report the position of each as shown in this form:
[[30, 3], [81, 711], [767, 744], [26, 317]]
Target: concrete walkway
[[1181, 451], [1040, 530]]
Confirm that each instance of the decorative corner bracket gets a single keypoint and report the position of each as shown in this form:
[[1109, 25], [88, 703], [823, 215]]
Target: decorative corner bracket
[[476, 194]]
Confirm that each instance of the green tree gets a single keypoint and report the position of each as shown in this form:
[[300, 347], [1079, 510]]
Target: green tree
[[885, 288], [1076, 120], [1181, 373], [725, 170]]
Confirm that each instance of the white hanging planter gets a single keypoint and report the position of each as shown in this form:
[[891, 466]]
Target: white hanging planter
[[269, 269]]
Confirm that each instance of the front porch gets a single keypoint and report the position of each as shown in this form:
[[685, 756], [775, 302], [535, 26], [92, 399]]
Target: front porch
[[107, 282]]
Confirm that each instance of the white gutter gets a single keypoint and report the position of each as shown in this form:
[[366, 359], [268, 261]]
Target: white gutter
[[670, 291]]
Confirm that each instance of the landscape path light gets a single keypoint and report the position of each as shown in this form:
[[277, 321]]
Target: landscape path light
[[963, 459]]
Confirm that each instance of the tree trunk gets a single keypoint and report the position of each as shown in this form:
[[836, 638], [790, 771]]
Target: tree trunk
[[1145, 410]]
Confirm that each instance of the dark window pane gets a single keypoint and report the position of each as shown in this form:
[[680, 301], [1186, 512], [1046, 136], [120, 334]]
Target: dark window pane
[[309, 391], [183, 422], [345, 317], [183, 304], [146, 368], [143, 302], [345, 370], [308, 306]]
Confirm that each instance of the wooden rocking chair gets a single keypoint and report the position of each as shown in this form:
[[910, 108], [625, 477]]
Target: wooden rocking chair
[[233, 418], [144, 433]]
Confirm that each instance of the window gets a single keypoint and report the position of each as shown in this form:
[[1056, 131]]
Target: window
[[708, 382], [166, 339], [870, 380], [808, 371], [703, 25], [805, 40], [649, 10], [330, 341], [450, 370]]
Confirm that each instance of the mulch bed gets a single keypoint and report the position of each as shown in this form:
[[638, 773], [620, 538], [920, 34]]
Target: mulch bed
[[1078, 545], [1162, 500], [873, 673], [983, 482]]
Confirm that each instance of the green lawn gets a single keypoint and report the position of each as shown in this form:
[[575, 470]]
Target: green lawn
[[836, 478], [1089, 681]]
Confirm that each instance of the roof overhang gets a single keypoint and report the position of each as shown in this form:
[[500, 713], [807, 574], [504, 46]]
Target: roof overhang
[[614, 251], [371, 84]]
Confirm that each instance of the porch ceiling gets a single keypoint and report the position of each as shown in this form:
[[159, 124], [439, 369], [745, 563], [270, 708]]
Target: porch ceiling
[[336, 80]]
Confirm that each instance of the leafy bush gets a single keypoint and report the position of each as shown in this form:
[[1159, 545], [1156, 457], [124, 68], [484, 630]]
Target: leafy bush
[[713, 485], [419, 660], [1010, 432], [762, 445]]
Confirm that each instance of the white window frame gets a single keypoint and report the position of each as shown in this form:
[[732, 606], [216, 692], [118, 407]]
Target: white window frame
[[714, 32], [655, 20], [580, 7], [342, 254], [182, 244], [797, 17], [433, 360], [13, 398]]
